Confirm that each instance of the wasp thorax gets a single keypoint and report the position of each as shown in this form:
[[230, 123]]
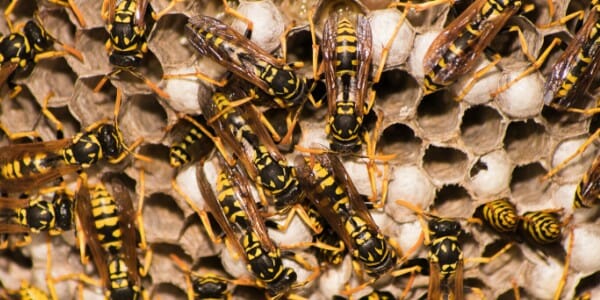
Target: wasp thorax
[[37, 36], [111, 140]]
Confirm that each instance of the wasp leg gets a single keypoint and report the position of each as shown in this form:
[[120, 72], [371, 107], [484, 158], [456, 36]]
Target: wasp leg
[[74, 8], [216, 141], [579, 151], [232, 105], [422, 6], [536, 64], [315, 46], [140, 223], [51, 117], [477, 75], [188, 279], [153, 86], [301, 213], [232, 12], [485, 260], [7, 12], [562, 21], [386, 49], [200, 212], [160, 14], [199, 75], [34, 135], [565, 274]]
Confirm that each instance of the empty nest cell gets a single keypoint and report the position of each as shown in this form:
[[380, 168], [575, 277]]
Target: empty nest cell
[[482, 128], [445, 164], [438, 116], [526, 141], [401, 140]]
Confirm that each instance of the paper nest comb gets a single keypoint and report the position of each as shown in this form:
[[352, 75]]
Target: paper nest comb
[[451, 156]]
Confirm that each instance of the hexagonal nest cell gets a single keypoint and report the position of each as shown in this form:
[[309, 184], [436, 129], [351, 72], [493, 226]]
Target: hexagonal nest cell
[[420, 155]]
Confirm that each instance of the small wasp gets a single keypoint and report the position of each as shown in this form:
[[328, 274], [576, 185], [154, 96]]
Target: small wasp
[[347, 64], [236, 213], [332, 192], [35, 215], [20, 51], [24, 167], [577, 67], [245, 59], [108, 227], [456, 49], [127, 44]]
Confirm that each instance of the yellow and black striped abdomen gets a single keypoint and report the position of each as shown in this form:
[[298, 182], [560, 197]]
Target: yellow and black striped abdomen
[[329, 187], [29, 165], [370, 247], [120, 284], [267, 266], [499, 214], [540, 227], [584, 59], [106, 220], [230, 203], [346, 46]]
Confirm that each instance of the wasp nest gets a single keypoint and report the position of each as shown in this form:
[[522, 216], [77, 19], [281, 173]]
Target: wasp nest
[[449, 156]]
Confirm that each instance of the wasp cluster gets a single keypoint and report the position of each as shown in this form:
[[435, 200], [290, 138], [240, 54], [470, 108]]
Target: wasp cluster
[[450, 158]]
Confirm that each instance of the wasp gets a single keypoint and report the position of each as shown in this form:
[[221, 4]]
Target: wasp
[[127, 43], [24, 167], [20, 51], [239, 129], [456, 49], [236, 213], [36, 215], [334, 195], [577, 67], [108, 226], [347, 63], [587, 192], [192, 142], [445, 255], [245, 59]]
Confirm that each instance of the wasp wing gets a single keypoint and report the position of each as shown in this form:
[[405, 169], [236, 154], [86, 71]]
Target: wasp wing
[[6, 70], [329, 59], [236, 52], [86, 219], [570, 57], [217, 212], [365, 45], [306, 175], [127, 221]]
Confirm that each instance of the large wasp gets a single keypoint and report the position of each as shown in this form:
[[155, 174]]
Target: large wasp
[[332, 192], [239, 129], [108, 227], [347, 64], [456, 49], [20, 51], [36, 214], [127, 44], [577, 67], [236, 213], [25, 167], [245, 59]]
